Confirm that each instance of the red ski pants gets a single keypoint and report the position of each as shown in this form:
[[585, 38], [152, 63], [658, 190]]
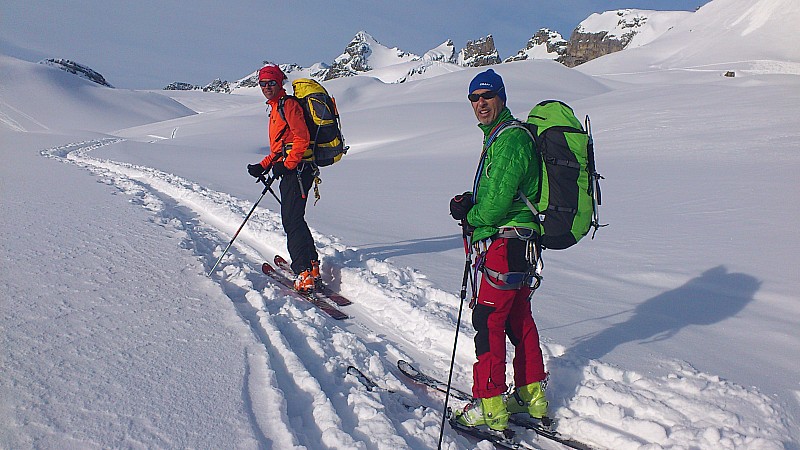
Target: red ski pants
[[500, 313]]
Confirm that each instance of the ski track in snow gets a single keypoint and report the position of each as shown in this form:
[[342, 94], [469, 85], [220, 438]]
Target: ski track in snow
[[297, 386]]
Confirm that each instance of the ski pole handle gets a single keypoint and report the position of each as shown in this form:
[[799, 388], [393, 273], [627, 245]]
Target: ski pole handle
[[260, 179]]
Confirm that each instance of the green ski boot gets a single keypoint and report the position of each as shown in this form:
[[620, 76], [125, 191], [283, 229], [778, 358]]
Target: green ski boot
[[528, 399], [484, 411]]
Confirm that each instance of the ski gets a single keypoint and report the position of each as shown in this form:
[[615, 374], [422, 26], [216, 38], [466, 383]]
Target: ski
[[543, 428], [502, 439], [320, 303], [499, 439], [322, 289], [365, 380], [411, 372], [371, 386]]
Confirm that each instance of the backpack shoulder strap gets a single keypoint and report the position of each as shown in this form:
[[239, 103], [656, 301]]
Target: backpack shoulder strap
[[503, 126], [520, 194], [281, 104], [498, 129]]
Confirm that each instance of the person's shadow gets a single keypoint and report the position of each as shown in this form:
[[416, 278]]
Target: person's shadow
[[435, 244], [710, 298]]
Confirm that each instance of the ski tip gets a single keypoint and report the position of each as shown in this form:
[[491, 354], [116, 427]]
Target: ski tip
[[406, 367], [267, 268]]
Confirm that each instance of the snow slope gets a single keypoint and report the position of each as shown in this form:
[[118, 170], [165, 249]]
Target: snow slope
[[42, 98], [750, 36], [674, 328], [646, 25]]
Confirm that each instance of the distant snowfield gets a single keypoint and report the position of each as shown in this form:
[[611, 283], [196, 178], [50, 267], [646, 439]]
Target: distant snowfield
[[674, 328]]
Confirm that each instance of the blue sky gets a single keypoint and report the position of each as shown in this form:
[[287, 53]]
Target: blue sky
[[148, 44]]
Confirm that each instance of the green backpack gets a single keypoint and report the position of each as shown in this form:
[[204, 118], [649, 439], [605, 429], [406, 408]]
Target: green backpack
[[570, 191]]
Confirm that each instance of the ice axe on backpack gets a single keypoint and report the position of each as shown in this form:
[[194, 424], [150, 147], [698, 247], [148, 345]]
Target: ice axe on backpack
[[267, 188]]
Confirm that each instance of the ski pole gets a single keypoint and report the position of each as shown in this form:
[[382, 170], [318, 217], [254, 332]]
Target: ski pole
[[267, 188], [464, 282]]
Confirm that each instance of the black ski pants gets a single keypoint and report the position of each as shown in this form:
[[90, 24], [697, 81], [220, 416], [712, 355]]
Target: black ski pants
[[295, 185]]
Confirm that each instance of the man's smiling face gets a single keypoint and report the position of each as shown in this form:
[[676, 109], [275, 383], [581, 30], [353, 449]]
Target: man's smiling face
[[487, 110]]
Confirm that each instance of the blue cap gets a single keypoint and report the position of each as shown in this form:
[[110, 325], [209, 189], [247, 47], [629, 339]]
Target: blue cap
[[488, 80]]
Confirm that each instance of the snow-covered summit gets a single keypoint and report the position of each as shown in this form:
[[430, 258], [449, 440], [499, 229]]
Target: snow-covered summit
[[612, 31], [754, 36], [544, 44], [632, 27], [444, 53], [365, 53]]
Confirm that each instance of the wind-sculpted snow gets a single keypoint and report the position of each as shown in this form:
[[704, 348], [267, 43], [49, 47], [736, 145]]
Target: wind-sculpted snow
[[295, 387]]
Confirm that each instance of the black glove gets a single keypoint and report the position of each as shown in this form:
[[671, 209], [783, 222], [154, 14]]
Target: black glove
[[279, 170], [256, 170], [460, 206]]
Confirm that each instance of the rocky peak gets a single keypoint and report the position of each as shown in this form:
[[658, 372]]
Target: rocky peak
[[289, 68], [180, 86], [477, 53], [76, 69], [612, 31], [583, 47], [545, 44], [354, 59], [218, 85], [363, 54]]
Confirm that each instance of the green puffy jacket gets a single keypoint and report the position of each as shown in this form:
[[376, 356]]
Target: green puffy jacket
[[510, 166]]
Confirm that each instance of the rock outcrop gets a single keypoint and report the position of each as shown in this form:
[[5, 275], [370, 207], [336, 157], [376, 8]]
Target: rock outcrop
[[545, 44], [480, 52]]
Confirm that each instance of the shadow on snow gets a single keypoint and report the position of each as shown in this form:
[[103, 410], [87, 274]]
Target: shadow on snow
[[712, 297]]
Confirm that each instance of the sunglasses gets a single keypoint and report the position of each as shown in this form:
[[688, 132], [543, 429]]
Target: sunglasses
[[488, 95], [265, 83]]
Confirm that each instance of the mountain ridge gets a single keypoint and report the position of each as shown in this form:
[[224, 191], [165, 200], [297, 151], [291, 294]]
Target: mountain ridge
[[593, 37]]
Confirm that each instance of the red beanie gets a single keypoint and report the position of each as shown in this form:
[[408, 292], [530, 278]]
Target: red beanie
[[271, 72]]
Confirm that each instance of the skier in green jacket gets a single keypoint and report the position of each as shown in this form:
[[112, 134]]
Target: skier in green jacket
[[503, 242]]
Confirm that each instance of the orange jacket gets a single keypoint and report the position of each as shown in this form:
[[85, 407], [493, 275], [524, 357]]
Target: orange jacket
[[290, 134]]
